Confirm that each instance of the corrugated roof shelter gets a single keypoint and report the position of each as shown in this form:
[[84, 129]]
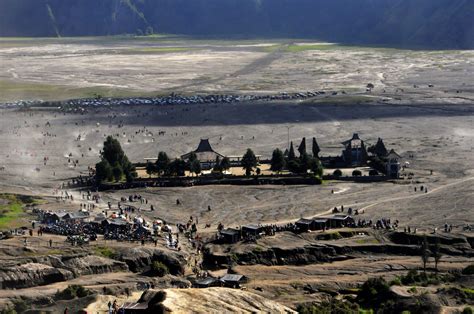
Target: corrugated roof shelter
[[253, 230], [230, 235], [207, 282], [233, 280], [339, 220]]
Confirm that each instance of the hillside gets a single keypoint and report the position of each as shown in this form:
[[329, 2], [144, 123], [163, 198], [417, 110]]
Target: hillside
[[403, 23]]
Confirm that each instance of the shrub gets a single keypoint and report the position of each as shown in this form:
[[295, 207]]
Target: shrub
[[374, 292], [72, 292], [373, 172], [356, 173], [105, 252], [332, 306], [396, 282], [337, 173], [469, 270], [159, 269], [467, 310], [329, 236]]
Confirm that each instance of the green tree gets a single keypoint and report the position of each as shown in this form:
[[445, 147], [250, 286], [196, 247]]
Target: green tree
[[225, 163], [249, 161], [437, 253], [356, 173], [217, 165], [302, 147], [277, 163], [305, 162], [293, 166], [195, 167], [162, 163], [424, 252], [117, 172], [112, 151], [337, 173], [373, 292], [103, 171], [177, 167], [291, 153], [316, 150], [150, 168], [316, 166], [113, 154], [379, 148]]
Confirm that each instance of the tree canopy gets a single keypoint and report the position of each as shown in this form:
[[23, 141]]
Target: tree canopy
[[162, 163], [316, 150], [278, 161], [114, 163], [249, 161], [291, 153]]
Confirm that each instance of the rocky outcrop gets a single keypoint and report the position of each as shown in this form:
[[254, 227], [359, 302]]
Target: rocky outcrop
[[209, 300], [43, 270], [32, 274], [140, 259], [92, 264], [315, 253], [276, 256], [451, 244]]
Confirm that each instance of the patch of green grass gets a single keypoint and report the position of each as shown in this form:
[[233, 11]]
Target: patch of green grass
[[105, 252], [11, 212], [72, 292], [159, 269], [367, 241], [326, 236], [258, 249]]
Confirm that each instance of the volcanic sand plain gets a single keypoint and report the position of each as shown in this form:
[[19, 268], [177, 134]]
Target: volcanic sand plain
[[432, 128]]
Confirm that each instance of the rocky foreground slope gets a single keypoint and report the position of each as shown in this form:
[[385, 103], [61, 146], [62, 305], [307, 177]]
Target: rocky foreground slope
[[210, 300], [25, 272]]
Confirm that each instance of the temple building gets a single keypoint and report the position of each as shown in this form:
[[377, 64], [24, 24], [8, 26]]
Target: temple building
[[205, 154], [393, 164], [354, 153]]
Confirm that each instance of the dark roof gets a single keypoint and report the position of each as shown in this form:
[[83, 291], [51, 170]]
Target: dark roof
[[304, 221], [204, 146], [394, 153], [252, 227], [206, 281], [340, 217], [355, 136], [230, 231], [231, 277], [204, 152], [60, 215], [320, 220], [77, 215], [119, 222], [336, 217]]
